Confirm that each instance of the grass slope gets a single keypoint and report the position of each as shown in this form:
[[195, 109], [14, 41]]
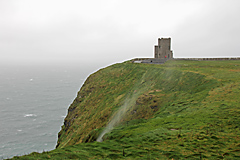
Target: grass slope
[[179, 110]]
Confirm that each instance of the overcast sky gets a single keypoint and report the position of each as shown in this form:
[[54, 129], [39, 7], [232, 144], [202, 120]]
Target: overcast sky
[[80, 31]]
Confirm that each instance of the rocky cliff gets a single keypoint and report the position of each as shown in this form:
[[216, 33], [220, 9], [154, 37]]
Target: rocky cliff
[[178, 110]]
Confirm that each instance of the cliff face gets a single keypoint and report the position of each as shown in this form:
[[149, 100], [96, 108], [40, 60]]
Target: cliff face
[[146, 91], [178, 110]]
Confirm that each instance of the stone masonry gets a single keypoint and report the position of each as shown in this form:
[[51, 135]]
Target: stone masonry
[[163, 49], [163, 52]]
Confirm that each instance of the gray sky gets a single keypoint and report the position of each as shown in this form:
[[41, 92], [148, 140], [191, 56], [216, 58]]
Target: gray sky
[[80, 31]]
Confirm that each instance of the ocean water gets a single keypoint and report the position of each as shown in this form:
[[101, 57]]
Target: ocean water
[[33, 104]]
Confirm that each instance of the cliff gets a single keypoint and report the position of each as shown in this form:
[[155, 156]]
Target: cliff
[[181, 109]]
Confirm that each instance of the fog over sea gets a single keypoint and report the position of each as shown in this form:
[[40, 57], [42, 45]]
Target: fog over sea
[[33, 104]]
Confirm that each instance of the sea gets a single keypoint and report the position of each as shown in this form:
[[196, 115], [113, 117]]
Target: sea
[[33, 104]]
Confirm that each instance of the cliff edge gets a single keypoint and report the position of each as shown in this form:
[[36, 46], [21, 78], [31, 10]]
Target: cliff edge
[[179, 110]]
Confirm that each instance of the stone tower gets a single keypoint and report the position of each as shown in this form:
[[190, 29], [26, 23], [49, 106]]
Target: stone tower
[[163, 49]]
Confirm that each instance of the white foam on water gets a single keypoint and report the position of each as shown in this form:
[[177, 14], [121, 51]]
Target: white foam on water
[[30, 115], [33, 100]]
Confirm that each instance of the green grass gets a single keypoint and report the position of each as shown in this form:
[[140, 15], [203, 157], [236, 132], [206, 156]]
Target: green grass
[[179, 110]]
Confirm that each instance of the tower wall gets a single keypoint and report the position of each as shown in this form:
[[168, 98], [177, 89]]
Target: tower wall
[[163, 50]]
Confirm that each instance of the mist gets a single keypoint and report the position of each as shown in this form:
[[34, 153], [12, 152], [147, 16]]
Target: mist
[[109, 31]]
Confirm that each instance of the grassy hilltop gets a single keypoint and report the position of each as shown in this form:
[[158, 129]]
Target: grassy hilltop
[[178, 110]]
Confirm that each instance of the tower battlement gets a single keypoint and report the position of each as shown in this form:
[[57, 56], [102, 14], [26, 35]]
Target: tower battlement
[[163, 52], [163, 49]]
